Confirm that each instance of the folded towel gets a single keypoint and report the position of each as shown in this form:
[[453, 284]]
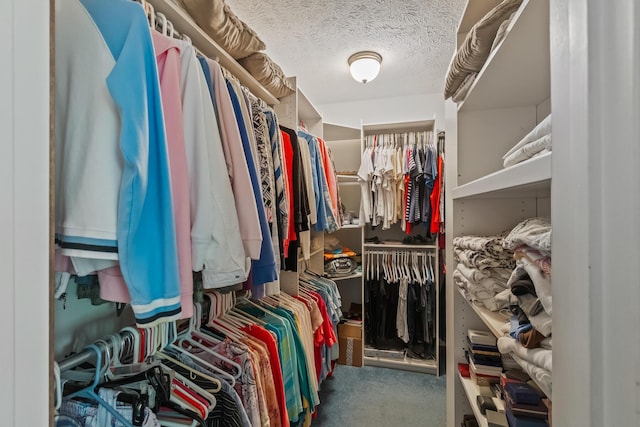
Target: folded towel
[[543, 128], [528, 151]]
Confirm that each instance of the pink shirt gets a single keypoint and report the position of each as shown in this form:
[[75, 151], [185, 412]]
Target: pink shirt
[[236, 165]]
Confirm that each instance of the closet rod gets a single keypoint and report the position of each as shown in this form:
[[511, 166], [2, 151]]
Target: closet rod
[[184, 24], [79, 358]]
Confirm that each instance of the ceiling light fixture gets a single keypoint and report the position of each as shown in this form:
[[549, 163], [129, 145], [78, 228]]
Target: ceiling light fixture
[[364, 66]]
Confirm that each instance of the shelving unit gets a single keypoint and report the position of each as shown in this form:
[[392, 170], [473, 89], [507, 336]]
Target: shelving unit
[[344, 143], [394, 237], [495, 322], [351, 276], [184, 24], [472, 394], [397, 246], [509, 97]]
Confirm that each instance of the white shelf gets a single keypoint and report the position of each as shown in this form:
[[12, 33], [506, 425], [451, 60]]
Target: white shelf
[[418, 125], [184, 24], [517, 72], [397, 246], [406, 364], [350, 226], [472, 395], [532, 176], [494, 320], [349, 183], [316, 252], [351, 276], [347, 178]]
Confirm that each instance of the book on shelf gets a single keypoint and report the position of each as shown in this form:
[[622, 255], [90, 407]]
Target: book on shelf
[[530, 411], [515, 421], [522, 393], [496, 419], [481, 347], [484, 369], [484, 380], [481, 337], [480, 359]]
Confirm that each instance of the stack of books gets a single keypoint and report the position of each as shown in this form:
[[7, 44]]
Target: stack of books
[[523, 405], [485, 361]]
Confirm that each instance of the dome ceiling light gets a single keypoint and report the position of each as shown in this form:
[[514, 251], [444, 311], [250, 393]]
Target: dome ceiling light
[[364, 66]]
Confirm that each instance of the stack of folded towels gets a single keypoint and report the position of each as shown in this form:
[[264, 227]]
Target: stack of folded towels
[[535, 143]]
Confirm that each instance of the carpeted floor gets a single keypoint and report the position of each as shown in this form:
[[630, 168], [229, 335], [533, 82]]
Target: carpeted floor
[[380, 397]]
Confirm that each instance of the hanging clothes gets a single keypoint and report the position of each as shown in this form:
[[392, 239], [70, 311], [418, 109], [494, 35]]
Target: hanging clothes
[[129, 161]]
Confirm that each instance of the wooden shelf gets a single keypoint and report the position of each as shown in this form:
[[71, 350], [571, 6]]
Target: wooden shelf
[[351, 276], [533, 177], [494, 321], [517, 72], [397, 246], [472, 395], [184, 24]]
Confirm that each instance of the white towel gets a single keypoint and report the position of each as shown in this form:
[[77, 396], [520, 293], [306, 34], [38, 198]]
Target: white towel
[[543, 128], [529, 150]]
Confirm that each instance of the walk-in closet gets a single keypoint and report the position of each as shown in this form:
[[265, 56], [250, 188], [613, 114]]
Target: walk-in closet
[[239, 213]]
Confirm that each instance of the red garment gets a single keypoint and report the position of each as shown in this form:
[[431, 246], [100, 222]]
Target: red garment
[[435, 200], [287, 167], [328, 332], [265, 336]]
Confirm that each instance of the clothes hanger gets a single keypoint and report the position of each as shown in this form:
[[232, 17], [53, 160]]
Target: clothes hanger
[[194, 337], [57, 386], [194, 373], [229, 377], [89, 391]]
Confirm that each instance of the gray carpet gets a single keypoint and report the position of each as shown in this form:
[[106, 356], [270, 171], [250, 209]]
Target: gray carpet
[[377, 397]]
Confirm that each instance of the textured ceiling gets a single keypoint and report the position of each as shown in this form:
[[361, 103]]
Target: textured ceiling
[[313, 39]]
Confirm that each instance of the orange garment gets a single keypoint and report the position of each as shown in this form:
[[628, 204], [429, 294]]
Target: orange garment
[[330, 175]]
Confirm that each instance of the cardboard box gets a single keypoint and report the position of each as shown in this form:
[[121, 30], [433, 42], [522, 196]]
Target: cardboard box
[[350, 342]]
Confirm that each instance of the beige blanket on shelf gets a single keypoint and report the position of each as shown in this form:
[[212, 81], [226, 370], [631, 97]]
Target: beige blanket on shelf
[[528, 151], [475, 49]]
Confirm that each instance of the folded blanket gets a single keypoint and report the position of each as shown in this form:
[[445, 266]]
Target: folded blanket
[[463, 90], [472, 274], [502, 32], [489, 292], [543, 261], [541, 282], [543, 128], [539, 318], [528, 151], [476, 47], [490, 245], [538, 356], [533, 232], [542, 376], [480, 261]]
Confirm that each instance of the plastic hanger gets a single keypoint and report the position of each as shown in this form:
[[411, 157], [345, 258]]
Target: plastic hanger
[[194, 372], [89, 391], [57, 386], [230, 377]]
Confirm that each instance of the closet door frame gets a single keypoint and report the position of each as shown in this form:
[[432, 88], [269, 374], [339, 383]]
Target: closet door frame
[[595, 60], [24, 212]]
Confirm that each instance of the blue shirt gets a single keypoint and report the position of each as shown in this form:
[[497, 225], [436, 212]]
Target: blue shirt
[[146, 230]]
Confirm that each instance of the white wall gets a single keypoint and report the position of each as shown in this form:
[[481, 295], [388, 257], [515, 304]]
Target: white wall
[[384, 110], [24, 212]]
